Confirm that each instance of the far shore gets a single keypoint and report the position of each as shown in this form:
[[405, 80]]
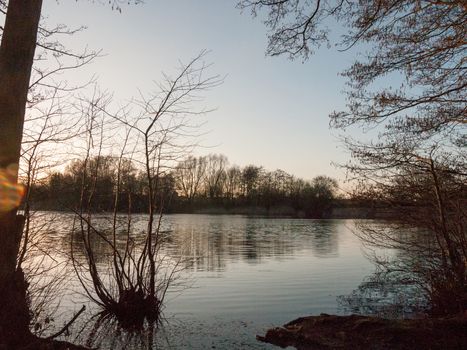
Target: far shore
[[275, 212]]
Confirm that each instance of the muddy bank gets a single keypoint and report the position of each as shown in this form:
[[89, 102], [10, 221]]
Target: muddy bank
[[361, 332], [44, 344]]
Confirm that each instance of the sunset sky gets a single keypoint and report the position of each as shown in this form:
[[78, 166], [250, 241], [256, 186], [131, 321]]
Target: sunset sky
[[270, 111]]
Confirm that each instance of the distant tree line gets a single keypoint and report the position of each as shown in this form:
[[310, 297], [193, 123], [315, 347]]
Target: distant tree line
[[193, 184]]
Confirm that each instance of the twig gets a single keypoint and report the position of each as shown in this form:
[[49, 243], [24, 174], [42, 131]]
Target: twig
[[68, 324]]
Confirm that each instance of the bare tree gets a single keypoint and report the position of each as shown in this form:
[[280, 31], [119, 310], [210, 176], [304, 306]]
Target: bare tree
[[417, 163], [189, 174], [215, 175], [140, 272], [424, 190], [250, 178], [233, 182], [33, 116]]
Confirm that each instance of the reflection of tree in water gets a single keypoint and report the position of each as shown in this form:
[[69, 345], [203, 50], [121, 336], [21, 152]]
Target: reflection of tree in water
[[384, 296], [250, 243], [172, 333], [67, 229], [103, 332], [397, 288], [214, 241], [324, 239], [45, 266]]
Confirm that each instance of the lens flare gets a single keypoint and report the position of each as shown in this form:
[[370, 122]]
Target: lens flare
[[11, 192]]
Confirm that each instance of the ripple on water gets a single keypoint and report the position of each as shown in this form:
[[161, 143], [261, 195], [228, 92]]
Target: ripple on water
[[248, 274]]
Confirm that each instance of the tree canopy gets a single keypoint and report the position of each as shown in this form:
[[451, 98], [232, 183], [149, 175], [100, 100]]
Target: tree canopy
[[410, 85]]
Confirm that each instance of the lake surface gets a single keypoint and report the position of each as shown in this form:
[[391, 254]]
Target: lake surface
[[248, 274]]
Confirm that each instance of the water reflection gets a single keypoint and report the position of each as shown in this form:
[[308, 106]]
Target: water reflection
[[324, 239], [401, 257], [245, 271], [214, 242]]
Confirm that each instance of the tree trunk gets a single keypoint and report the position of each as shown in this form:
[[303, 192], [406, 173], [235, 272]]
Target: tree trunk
[[16, 59]]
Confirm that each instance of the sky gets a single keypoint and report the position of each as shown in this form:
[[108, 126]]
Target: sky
[[270, 111]]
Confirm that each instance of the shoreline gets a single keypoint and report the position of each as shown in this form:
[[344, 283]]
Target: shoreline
[[336, 213], [368, 332]]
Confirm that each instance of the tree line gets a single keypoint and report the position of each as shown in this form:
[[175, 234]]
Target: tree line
[[193, 184]]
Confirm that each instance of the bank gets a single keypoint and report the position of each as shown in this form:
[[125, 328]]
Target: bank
[[363, 332]]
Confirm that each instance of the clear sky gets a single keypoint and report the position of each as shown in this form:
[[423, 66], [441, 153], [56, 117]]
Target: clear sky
[[270, 111]]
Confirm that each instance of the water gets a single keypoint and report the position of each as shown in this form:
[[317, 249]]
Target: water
[[248, 274]]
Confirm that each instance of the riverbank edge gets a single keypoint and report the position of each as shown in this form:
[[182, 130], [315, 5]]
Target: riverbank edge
[[364, 332], [335, 213]]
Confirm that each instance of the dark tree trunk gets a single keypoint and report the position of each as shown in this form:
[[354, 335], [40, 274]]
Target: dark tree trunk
[[16, 59]]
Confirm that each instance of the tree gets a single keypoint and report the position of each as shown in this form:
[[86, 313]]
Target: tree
[[16, 57], [420, 148], [425, 191], [250, 177], [140, 272], [215, 175], [422, 43], [18, 44], [233, 182], [188, 175], [323, 192]]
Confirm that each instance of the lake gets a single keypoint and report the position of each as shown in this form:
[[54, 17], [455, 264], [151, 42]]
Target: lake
[[248, 274]]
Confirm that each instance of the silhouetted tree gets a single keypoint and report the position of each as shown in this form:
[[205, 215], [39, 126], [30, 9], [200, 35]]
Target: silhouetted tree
[[323, 191], [16, 58], [208, 181], [250, 178], [140, 272], [18, 43], [421, 118], [189, 175], [215, 175], [233, 177]]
